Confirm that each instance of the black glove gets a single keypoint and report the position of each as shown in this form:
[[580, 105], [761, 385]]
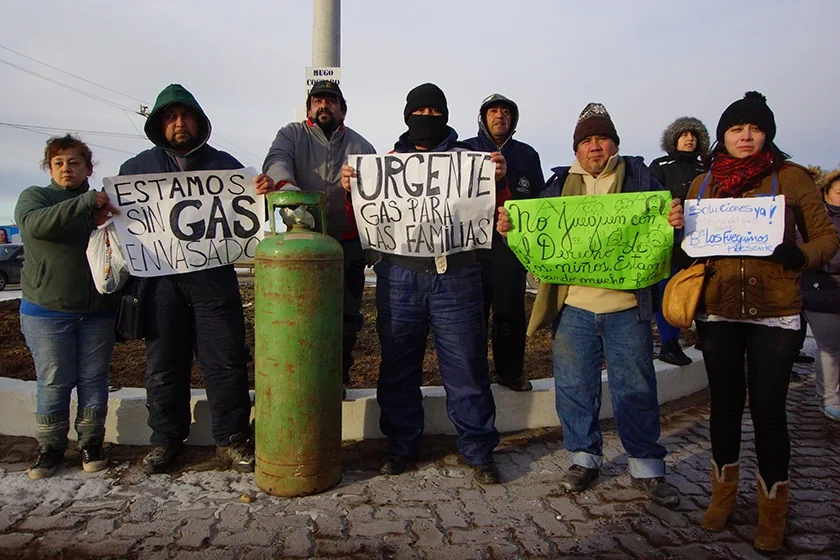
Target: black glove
[[789, 256]]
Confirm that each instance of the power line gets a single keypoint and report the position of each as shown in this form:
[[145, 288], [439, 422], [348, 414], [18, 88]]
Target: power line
[[80, 131], [62, 84], [49, 134], [132, 124], [101, 99], [71, 74], [220, 137]]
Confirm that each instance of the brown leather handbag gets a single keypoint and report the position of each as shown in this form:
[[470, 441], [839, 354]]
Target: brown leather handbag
[[682, 295]]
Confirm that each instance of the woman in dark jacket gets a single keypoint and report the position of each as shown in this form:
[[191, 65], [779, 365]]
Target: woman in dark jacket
[[686, 140], [821, 299], [68, 325], [749, 311]]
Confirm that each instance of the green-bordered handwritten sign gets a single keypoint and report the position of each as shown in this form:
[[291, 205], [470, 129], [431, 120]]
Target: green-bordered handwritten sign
[[617, 241]]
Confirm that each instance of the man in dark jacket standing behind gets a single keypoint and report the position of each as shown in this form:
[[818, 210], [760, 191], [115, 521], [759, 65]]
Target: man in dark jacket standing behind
[[309, 155], [193, 313], [503, 276]]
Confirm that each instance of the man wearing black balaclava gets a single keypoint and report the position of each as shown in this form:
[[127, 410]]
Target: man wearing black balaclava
[[414, 294]]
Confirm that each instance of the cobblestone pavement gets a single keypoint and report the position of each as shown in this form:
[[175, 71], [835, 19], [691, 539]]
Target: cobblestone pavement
[[435, 511]]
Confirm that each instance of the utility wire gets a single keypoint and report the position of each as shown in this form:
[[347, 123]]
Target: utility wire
[[49, 134], [98, 98], [71, 74], [239, 148], [80, 131], [132, 124], [62, 84]]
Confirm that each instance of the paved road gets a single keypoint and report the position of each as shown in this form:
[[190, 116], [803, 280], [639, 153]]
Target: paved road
[[435, 511]]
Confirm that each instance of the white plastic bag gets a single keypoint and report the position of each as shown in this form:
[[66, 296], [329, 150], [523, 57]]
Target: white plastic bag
[[106, 260], [299, 215]]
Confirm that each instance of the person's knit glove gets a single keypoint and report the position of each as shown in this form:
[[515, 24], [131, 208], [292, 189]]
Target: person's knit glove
[[789, 256]]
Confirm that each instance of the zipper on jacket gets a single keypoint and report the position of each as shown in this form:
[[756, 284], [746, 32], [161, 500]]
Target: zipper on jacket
[[743, 291]]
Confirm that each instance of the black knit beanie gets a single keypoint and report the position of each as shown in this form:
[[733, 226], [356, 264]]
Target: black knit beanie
[[752, 109], [425, 95], [594, 120]]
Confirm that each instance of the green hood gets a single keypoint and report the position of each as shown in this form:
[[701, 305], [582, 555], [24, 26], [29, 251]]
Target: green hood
[[174, 93]]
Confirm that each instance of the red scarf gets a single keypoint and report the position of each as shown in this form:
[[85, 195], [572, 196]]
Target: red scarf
[[735, 176]]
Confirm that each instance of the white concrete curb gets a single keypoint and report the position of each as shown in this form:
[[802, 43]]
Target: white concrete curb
[[126, 422]]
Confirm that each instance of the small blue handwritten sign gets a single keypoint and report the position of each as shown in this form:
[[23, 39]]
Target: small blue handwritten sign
[[734, 226]]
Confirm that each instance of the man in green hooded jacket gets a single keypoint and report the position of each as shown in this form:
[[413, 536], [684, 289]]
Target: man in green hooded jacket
[[195, 313]]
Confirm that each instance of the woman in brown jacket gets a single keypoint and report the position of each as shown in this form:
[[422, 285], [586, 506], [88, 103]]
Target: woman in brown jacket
[[751, 307]]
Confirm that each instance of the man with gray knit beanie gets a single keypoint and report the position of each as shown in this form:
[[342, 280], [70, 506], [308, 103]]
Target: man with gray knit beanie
[[590, 321]]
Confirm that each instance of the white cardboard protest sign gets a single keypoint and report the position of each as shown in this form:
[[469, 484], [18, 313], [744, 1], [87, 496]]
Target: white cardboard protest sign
[[323, 73], [734, 226], [171, 223], [424, 204]]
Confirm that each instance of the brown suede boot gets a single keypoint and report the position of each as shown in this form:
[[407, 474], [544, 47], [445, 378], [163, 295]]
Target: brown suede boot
[[724, 489], [772, 515]]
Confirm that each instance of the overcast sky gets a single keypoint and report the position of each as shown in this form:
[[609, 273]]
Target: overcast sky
[[647, 61]]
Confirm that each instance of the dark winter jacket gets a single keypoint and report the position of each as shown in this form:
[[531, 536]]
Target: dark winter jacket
[[677, 170], [550, 297], [55, 225], [637, 178], [161, 158], [821, 288], [757, 288], [525, 177]]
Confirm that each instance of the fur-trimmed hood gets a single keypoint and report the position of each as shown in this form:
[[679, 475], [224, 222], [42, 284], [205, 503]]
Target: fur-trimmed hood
[[670, 135], [829, 179]]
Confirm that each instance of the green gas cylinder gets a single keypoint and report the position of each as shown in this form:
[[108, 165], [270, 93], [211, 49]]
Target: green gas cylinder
[[298, 286]]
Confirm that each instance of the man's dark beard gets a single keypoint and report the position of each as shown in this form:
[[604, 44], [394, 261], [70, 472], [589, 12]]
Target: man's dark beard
[[329, 126], [184, 145]]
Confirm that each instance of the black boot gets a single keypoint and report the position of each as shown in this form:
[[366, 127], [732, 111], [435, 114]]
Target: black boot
[[161, 458], [671, 353], [393, 464], [517, 384]]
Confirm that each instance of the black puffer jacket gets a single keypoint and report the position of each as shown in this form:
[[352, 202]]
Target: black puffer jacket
[[821, 288], [676, 170]]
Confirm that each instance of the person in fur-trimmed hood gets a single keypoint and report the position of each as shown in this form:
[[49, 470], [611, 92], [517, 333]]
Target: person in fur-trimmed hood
[[687, 142]]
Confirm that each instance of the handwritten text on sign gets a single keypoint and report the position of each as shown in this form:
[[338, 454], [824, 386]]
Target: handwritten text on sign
[[734, 226], [171, 223], [616, 241], [424, 204]]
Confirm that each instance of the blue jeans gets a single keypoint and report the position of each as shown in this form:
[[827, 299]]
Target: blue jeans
[[408, 304], [579, 340], [73, 351]]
